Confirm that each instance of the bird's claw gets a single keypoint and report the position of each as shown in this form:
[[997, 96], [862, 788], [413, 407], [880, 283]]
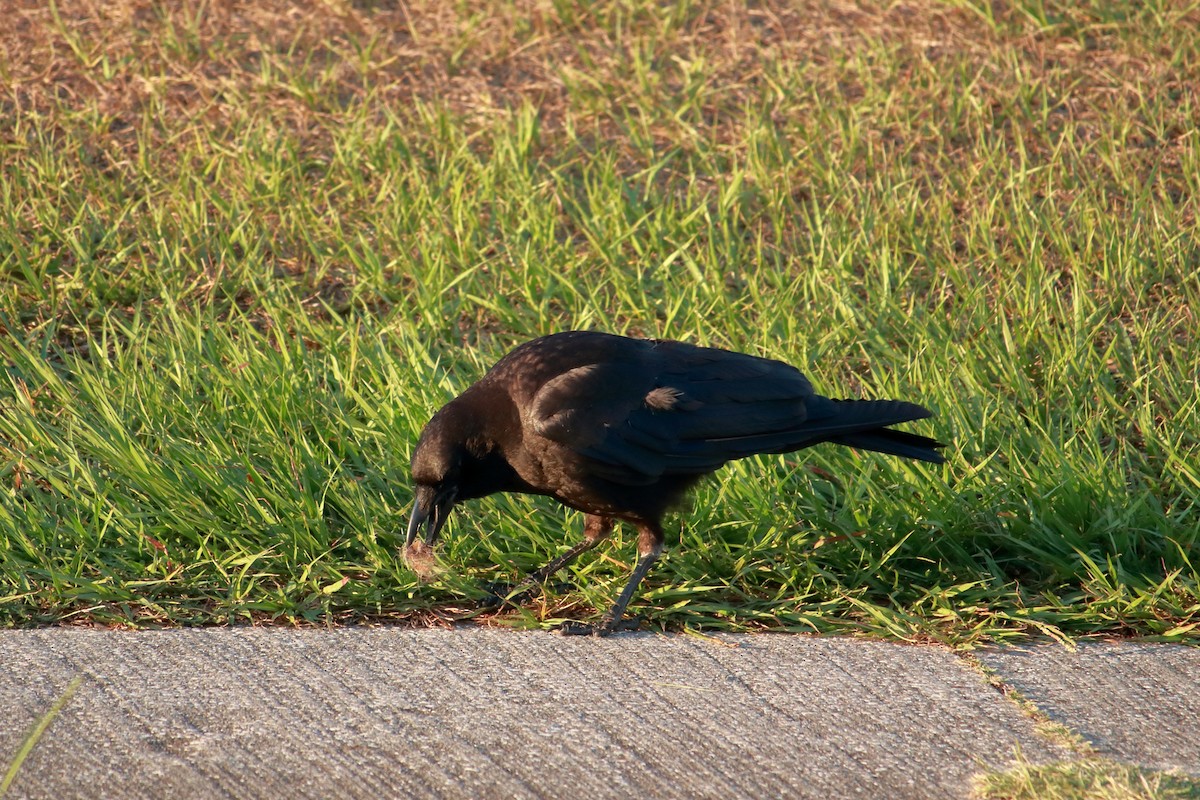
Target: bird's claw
[[501, 594], [574, 627]]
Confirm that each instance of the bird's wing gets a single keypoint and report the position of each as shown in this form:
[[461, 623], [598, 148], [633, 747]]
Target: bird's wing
[[587, 409], [682, 410]]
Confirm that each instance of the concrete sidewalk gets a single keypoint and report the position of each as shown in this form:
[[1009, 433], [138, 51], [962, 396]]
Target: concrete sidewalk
[[479, 713]]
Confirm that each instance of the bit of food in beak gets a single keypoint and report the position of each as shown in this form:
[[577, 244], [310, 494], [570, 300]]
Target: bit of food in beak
[[419, 557]]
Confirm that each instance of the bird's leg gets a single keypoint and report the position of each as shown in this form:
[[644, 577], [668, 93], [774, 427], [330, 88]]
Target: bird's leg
[[650, 543], [595, 529]]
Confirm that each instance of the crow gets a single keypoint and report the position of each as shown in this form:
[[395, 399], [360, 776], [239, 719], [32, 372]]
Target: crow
[[620, 429]]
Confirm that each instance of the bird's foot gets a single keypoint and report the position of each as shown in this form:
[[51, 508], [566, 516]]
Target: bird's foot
[[574, 627], [502, 594]]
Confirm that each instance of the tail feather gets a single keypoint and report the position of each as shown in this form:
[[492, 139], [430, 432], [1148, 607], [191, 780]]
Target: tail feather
[[856, 423], [836, 417], [896, 443], [863, 424]]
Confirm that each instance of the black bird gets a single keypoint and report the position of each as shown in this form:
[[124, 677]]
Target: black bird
[[620, 429]]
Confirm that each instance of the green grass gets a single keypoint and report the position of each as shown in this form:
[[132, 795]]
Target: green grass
[[36, 732], [1092, 779], [244, 255]]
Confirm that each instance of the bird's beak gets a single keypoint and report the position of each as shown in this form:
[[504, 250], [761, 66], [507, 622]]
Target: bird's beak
[[430, 511], [419, 515]]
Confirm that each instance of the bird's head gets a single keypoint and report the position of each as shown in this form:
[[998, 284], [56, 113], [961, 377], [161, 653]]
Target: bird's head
[[437, 466], [457, 458]]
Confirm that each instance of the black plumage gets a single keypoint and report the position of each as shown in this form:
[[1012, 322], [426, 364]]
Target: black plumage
[[621, 428]]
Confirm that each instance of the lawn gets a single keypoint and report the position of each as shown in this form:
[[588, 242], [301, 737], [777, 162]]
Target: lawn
[[247, 249]]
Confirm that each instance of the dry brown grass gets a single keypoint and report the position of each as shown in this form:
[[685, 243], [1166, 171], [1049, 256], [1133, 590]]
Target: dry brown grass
[[180, 65]]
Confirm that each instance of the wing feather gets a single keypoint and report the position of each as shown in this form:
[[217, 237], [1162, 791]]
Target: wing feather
[[669, 408]]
